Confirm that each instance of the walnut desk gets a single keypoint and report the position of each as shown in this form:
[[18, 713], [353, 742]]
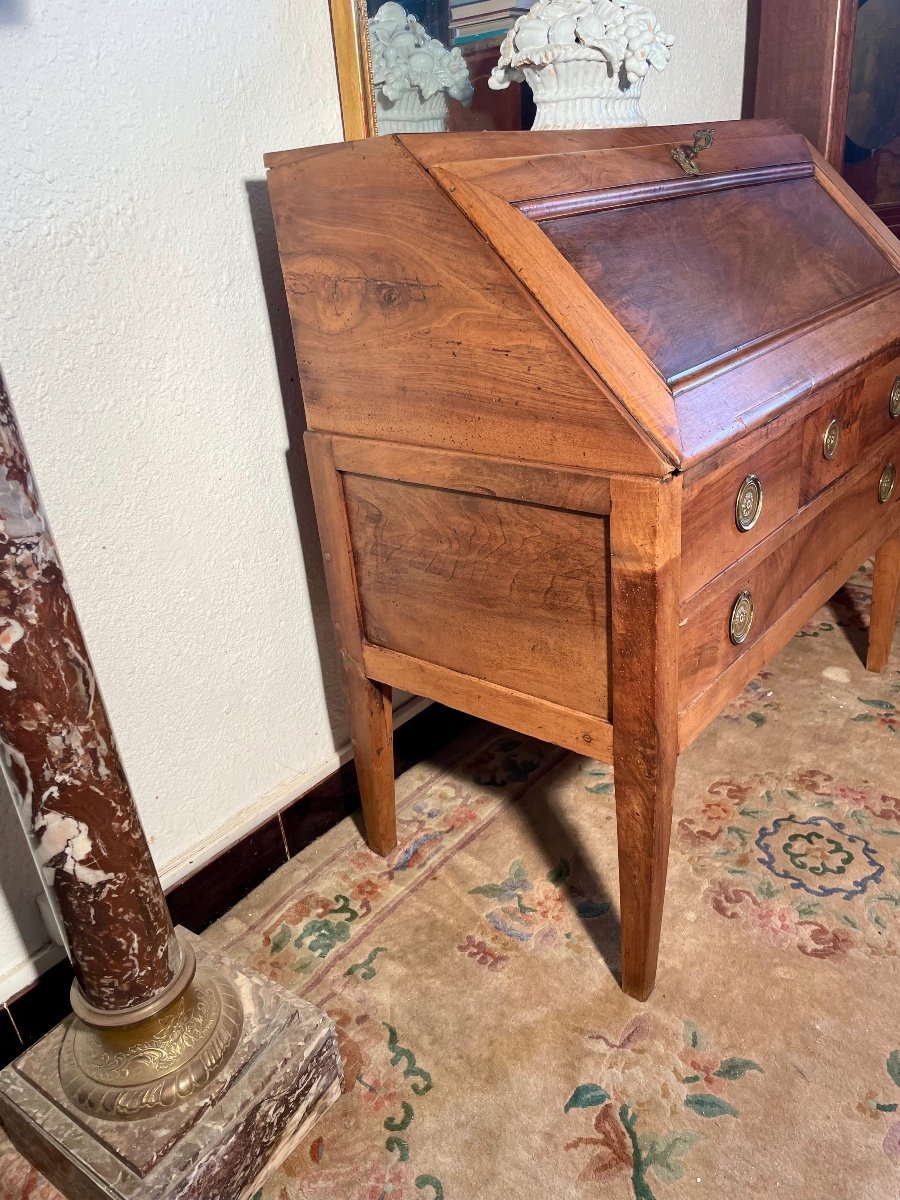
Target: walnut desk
[[595, 427]]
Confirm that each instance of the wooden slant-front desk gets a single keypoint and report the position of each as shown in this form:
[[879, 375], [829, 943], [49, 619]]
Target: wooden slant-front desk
[[591, 435]]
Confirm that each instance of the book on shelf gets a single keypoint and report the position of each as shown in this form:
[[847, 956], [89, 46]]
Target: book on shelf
[[472, 41], [470, 10]]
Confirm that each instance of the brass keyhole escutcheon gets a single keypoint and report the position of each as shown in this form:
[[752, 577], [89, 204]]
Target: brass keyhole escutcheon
[[831, 439], [887, 483], [741, 618], [686, 156], [894, 403], [749, 502]]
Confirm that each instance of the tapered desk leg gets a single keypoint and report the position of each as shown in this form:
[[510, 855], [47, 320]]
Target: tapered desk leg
[[645, 527], [371, 730], [885, 598], [369, 703]]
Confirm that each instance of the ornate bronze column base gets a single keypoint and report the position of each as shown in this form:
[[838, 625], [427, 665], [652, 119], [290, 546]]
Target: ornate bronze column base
[[127, 1071], [214, 1092]]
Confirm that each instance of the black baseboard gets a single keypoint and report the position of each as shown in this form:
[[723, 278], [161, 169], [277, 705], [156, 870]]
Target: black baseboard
[[216, 887]]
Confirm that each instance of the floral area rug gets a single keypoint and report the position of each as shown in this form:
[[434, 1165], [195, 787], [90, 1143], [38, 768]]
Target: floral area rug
[[488, 1051]]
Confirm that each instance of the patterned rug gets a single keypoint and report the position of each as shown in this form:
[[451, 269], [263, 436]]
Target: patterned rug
[[488, 1051]]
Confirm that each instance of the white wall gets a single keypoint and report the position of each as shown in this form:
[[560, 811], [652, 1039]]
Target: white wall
[[137, 346], [704, 80]]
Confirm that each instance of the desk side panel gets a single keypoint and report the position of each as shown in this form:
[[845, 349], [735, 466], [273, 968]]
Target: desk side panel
[[511, 593], [409, 328]]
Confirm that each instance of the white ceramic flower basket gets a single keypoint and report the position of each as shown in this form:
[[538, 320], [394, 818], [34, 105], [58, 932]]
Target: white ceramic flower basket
[[409, 113], [582, 94], [584, 60], [413, 73]]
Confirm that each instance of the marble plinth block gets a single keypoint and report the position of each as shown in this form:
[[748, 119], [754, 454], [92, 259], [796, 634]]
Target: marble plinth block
[[220, 1144]]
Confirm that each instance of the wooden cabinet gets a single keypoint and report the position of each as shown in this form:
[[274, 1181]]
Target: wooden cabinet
[[829, 67], [590, 436]]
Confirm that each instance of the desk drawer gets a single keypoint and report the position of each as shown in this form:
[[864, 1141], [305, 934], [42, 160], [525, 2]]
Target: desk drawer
[[728, 513], [727, 617], [881, 403], [831, 442]]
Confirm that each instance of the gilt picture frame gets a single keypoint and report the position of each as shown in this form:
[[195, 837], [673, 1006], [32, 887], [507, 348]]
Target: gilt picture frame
[[349, 27]]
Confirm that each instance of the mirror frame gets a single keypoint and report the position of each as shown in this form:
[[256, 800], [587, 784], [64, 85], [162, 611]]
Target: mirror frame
[[354, 68]]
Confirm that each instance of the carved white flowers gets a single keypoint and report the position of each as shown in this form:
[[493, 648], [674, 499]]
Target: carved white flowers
[[413, 73], [585, 60]]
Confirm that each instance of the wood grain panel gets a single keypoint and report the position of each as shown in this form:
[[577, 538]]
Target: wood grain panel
[[788, 379], [555, 487], [613, 353], [524, 180], [432, 149], [492, 702], [409, 329], [510, 593], [697, 278]]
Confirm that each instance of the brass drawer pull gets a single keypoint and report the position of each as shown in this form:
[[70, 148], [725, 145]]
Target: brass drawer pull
[[749, 502], [894, 403], [831, 439], [741, 618], [887, 483]]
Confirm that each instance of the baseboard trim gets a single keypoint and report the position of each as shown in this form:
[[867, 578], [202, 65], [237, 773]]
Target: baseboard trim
[[210, 890]]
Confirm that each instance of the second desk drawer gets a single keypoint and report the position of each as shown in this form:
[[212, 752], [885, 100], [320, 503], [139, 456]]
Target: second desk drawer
[[723, 620]]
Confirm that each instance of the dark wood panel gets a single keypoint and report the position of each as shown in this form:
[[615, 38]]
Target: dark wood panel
[[697, 278], [511, 593], [804, 60]]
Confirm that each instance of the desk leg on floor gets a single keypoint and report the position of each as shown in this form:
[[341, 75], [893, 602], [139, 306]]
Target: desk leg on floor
[[885, 597], [645, 525], [369, 703]]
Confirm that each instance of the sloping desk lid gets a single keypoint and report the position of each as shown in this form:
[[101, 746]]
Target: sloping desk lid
[[707, 302]]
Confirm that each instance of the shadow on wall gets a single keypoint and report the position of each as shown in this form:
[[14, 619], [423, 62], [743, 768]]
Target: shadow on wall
[[20, 885], [295, 419]]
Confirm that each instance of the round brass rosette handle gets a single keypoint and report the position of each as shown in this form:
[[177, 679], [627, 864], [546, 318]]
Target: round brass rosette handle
[[894, 403], [831, 439], [887, 483], [749, 502], [741, 618]]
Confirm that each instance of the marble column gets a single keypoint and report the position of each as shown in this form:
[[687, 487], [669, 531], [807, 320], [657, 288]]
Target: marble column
[[181, 1075], [62, 765]]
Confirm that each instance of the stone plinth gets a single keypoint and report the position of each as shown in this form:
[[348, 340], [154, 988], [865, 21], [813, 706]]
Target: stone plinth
[[219, 1144]]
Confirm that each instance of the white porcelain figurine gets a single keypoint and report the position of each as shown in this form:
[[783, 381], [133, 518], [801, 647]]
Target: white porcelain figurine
[[413, 74], [584, 60]]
